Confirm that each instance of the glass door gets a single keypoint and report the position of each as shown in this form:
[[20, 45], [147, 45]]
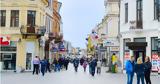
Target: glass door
[[28, 61]]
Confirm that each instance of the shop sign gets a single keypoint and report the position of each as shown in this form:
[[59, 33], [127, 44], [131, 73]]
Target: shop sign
[[114, 48], [54, 49], [61, 47], [155, 62], [4, 40], [111, 42], [13, 43]]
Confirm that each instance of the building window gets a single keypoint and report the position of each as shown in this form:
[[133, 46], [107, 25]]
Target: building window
[[3, 17], [139, 14], [50, 3], [154, 43], [154, 46], [31, 17], [143, 39], [126, 12], [14, 18], [157, 10]]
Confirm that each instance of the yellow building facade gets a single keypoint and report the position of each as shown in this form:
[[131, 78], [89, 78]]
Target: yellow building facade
[[21, 29]]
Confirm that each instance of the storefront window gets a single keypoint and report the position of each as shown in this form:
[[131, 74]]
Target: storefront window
[[8, 57], [9, 61]]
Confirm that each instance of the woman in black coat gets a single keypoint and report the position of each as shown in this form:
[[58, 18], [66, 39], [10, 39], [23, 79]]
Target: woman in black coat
[[140, 69], [148, 67]]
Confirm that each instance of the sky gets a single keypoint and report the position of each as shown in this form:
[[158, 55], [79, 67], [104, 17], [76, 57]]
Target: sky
[[79, 17]]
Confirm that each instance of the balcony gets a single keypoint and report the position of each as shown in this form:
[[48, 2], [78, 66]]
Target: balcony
[[52, 36], [58, 38], [136, 25], [32, 31]]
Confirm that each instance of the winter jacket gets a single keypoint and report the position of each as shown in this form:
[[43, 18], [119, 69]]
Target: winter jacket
[[129, 67], [76, 62], [148, 67], [139, 69]]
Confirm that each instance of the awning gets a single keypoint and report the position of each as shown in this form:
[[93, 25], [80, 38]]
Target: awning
[[137, 45]]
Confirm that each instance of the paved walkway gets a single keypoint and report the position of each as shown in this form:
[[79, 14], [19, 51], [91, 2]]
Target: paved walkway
[[68, 77]]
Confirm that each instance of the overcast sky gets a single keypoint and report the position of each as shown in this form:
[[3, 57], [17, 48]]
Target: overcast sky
[[79, 18]]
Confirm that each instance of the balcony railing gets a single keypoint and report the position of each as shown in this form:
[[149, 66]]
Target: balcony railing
[[33, 30], [136, 25]]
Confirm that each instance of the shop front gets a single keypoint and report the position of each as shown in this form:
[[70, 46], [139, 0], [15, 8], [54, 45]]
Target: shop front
[[138, 48], [8, 54]]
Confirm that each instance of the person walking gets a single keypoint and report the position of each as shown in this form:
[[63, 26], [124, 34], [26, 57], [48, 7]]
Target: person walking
[[56, 65], [76, 64], [47, 65], [104, 62], [36, 63], [139, 69], [66, 62], [84, 65], [130, 68], [89, 62], [99, 64], [60, 62], [93, 66], [43, 66], [148, 67], [81, 61]]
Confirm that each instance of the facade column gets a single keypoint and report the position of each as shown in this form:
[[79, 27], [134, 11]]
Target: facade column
[[148, 48], [21, 55], [8, 18]]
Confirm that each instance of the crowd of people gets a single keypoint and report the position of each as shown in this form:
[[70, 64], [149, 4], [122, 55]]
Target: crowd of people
[[93, 64], [142, 70], [44, 65]]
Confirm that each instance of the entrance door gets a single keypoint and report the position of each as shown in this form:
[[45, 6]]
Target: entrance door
[[138, 54], [28, 61], [30, 51]]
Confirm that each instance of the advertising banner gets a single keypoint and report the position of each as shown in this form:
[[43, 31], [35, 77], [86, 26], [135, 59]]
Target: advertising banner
[[4, 40], [155, 62]]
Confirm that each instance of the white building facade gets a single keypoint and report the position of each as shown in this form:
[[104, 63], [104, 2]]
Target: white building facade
[[139, 28]]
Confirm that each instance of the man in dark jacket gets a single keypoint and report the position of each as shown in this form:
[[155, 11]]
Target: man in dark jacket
[[76, 63], [93, 66], [66, 62], [43, 66]]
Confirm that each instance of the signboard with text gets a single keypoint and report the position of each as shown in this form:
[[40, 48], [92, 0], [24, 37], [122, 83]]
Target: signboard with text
[[155, 62], [4, 40], [111, 42]]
